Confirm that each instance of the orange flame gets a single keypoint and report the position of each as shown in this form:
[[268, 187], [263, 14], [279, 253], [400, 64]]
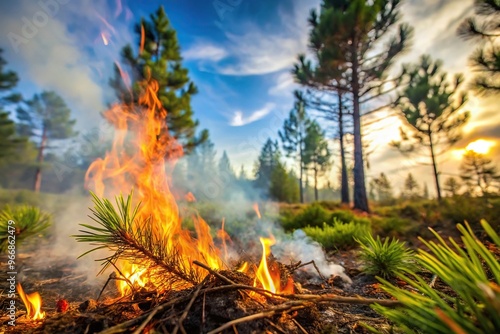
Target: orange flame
[[270, 279], [137, 160], [256, 209], [32, 302]]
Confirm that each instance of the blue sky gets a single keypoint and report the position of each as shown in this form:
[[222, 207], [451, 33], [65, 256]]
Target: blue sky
[[239, 53]]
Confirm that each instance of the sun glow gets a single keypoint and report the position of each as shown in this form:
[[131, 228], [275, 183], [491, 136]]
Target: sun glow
[[480, 146]]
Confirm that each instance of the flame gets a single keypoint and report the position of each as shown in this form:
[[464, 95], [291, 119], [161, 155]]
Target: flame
[[256, 209], [138, 159], [32, 302], [244, 268], [104, 39], [269, 278]]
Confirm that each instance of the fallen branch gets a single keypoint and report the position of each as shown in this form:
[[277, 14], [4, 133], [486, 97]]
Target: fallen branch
[[265, 314]]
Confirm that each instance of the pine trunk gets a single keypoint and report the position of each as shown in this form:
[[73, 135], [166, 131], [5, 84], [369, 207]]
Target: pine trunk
[[38, 173], [434, 167], [360, 197], [301, 171], [344, 182], [316, 196]]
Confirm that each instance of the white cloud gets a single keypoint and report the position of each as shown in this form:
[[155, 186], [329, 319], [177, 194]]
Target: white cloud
[[284, 84], [239, 119], [205, 51], [256, 51]]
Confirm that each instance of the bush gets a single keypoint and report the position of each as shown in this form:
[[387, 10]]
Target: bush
[[385, 259], [338, 236], [28, 221], [472, 272], [393, 226], [313, 215]]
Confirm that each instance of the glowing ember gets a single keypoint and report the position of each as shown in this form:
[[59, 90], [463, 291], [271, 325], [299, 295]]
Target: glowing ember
[[32, 302], [257, 211], [268, 278], [140, 149]]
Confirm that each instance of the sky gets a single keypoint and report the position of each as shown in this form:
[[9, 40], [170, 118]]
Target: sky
[[239, 53]]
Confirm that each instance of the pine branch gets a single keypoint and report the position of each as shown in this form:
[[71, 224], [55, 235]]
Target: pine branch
[[19, 223], [135, 241]]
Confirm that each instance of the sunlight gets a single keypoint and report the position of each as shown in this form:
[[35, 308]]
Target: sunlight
[[480, 146]]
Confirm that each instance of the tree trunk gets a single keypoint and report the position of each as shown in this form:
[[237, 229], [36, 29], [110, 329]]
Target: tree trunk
[[316, 197], [344, 183], [434, 167], [301, 167], [38, 173], [360, 198]]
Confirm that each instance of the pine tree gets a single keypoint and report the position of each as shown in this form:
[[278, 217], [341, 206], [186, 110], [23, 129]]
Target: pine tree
[[293, 137], [382, 188], [267, 161], [452, 186], [9, 141], [431, 108], [317, 155], [485, 60], [479, 173], [46, 117], [226, 172], [283, 186], [159, 57], [346, 39], [411, 188]]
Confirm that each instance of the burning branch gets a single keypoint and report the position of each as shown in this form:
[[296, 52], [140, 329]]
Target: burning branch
[[136, 243]]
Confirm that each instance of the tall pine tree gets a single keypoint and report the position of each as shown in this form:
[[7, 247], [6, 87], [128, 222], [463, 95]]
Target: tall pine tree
[[267, 161], [431, 108], [347, 37], [158, 56], [293, 137], [46, 117], [317, 155]]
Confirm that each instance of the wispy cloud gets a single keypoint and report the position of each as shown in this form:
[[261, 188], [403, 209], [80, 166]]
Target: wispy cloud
[[205, 51], [256, 49], [284, 84], [239, 119]]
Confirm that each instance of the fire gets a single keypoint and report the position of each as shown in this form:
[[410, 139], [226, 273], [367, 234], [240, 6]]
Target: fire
[[138, 159], [268, 278], [32, 302], [256, 209]]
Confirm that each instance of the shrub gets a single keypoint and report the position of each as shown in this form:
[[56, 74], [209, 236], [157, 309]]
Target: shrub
[[313, 215], [385, 259], [472, 272], [393, 226], [28, 221], [338, 236]]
